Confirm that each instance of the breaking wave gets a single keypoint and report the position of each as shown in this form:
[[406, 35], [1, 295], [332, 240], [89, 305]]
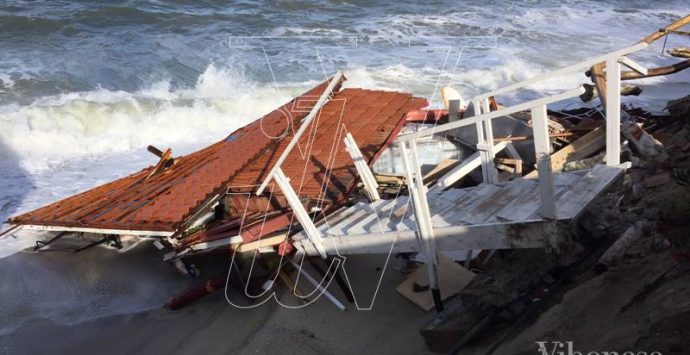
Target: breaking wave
[[91, 124]]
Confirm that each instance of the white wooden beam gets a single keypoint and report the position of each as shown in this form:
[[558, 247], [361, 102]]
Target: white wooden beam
[[527, 234], [613, 112], [365, 174], [633, 65], [493, 114], [417, 191], [337, 78], [467, 166], [299, 211], [542, 147]]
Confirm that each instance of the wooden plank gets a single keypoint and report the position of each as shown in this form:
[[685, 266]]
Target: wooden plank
[[467, 166], [590, 186], [485, 210], [160, 166], [527, 234], [542, 147], [458, 215], [386, 179], [583, 147], [674, 26], [375, 221], [443, 166], [452, 279], [262, 243], [441, 207], [613, 112], [359, 212], [666, 70], [526, 206]]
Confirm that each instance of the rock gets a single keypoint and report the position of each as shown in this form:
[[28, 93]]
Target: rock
[[638, 190], [658, 180], [679, 107]]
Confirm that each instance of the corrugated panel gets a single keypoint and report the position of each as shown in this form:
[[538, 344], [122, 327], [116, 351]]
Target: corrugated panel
[[162, 202]]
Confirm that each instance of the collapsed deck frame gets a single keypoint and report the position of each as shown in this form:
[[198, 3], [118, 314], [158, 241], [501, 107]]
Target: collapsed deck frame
[[541, 232]]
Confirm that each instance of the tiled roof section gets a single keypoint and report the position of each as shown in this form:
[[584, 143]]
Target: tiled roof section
[[163, 201]]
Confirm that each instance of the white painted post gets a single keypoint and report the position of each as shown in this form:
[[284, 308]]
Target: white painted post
[[481, 142], [417, 191], [489, 138], [542, 147], [368, 180], [305, 123], [613, 112], [299, 211]]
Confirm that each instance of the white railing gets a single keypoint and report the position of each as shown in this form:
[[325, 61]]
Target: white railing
[[487, 150]]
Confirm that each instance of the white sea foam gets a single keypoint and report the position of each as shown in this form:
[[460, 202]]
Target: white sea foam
[[96, 123]]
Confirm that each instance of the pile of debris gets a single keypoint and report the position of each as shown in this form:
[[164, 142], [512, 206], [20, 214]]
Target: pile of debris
[[628, 260]]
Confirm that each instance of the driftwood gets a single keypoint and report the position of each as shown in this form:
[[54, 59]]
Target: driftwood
[[671, 69], [599, 80], [674, 27], [679, 52], [626, 90], [599, 77]]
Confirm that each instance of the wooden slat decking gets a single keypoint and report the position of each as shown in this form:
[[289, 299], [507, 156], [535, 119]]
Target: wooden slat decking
[[501, 207]]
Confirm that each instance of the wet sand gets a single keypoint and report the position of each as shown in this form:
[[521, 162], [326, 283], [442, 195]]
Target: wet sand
[[211, 325]]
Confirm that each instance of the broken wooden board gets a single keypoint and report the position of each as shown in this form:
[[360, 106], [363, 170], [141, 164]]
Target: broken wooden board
[[581, 148], [452, 279], [160, 166], [443, 167], [262, 243], [388, 179]]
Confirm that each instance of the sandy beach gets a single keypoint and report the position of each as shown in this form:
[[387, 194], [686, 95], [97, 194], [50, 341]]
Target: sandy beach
[[210, 325]]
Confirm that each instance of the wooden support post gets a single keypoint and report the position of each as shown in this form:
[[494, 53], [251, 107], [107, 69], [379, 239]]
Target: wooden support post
[[613, 112], [542, 147], [365, 174], [299, 211], [481, 142], [417, 190], [452, 100], [489, 141]]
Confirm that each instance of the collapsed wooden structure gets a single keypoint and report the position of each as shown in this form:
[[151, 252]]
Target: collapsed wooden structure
[[286, 182], [205, 200]]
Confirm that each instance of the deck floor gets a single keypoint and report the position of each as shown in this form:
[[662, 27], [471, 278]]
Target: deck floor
[[515, 201]]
